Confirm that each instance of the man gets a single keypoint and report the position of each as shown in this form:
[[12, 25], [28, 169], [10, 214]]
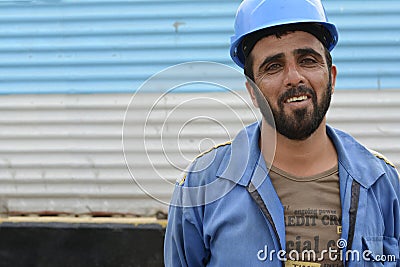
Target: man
[[321, 199]]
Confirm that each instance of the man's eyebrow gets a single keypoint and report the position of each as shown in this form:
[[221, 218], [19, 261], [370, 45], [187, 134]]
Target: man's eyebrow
[[307, 51], [270, 59]]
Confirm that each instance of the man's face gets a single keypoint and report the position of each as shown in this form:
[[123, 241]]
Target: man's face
[[293, 77]]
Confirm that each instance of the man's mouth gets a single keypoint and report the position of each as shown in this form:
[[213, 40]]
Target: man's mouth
[[297, 98]]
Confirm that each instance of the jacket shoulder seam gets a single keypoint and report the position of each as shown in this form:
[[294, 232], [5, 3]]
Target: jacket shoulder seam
[[381, 157], [183, 179], [211, 149]]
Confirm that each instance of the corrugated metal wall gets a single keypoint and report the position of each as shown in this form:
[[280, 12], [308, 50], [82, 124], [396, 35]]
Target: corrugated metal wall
[[369, 44], [63, 153], [113, 46]]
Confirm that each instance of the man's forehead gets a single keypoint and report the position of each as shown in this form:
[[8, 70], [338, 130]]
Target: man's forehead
[[286, 43]]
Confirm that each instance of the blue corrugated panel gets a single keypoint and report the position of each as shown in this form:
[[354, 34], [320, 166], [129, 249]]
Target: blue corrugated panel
[[114, 46], [368, 53]]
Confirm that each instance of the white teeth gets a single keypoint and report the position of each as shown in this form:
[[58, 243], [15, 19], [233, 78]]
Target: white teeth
[[297, 98]]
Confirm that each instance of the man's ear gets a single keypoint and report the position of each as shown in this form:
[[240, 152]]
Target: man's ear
[[333, 77], [250, 88]]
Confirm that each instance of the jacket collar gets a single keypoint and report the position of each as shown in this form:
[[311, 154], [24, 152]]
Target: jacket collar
[[240, 164], [356, 159]]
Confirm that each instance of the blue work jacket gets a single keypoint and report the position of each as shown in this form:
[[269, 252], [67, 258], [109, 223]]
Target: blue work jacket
[[234, 217]]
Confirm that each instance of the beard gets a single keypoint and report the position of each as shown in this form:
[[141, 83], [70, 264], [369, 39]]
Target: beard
[[303, 122]]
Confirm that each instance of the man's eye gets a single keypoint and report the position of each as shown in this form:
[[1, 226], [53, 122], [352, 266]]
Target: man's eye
[[273, 67], [308, 61]]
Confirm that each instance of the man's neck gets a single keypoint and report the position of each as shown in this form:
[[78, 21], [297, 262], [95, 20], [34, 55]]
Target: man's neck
[[307, 157]]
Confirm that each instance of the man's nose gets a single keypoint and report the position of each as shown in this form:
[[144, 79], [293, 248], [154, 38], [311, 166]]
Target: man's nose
[[293, 76]]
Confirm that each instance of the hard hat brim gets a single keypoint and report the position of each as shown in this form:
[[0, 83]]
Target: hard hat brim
[[331, 38]]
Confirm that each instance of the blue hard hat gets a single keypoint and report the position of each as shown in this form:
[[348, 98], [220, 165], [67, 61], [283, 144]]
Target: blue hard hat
[[255, 15]]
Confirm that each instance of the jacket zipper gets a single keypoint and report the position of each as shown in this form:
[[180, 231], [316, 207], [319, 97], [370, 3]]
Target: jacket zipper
[[355, 196], [260, 203]]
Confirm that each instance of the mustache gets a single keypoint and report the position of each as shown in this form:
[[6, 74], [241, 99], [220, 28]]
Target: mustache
[[296, 91]]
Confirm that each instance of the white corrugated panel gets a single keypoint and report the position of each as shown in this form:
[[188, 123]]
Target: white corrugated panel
[[64, 153]]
